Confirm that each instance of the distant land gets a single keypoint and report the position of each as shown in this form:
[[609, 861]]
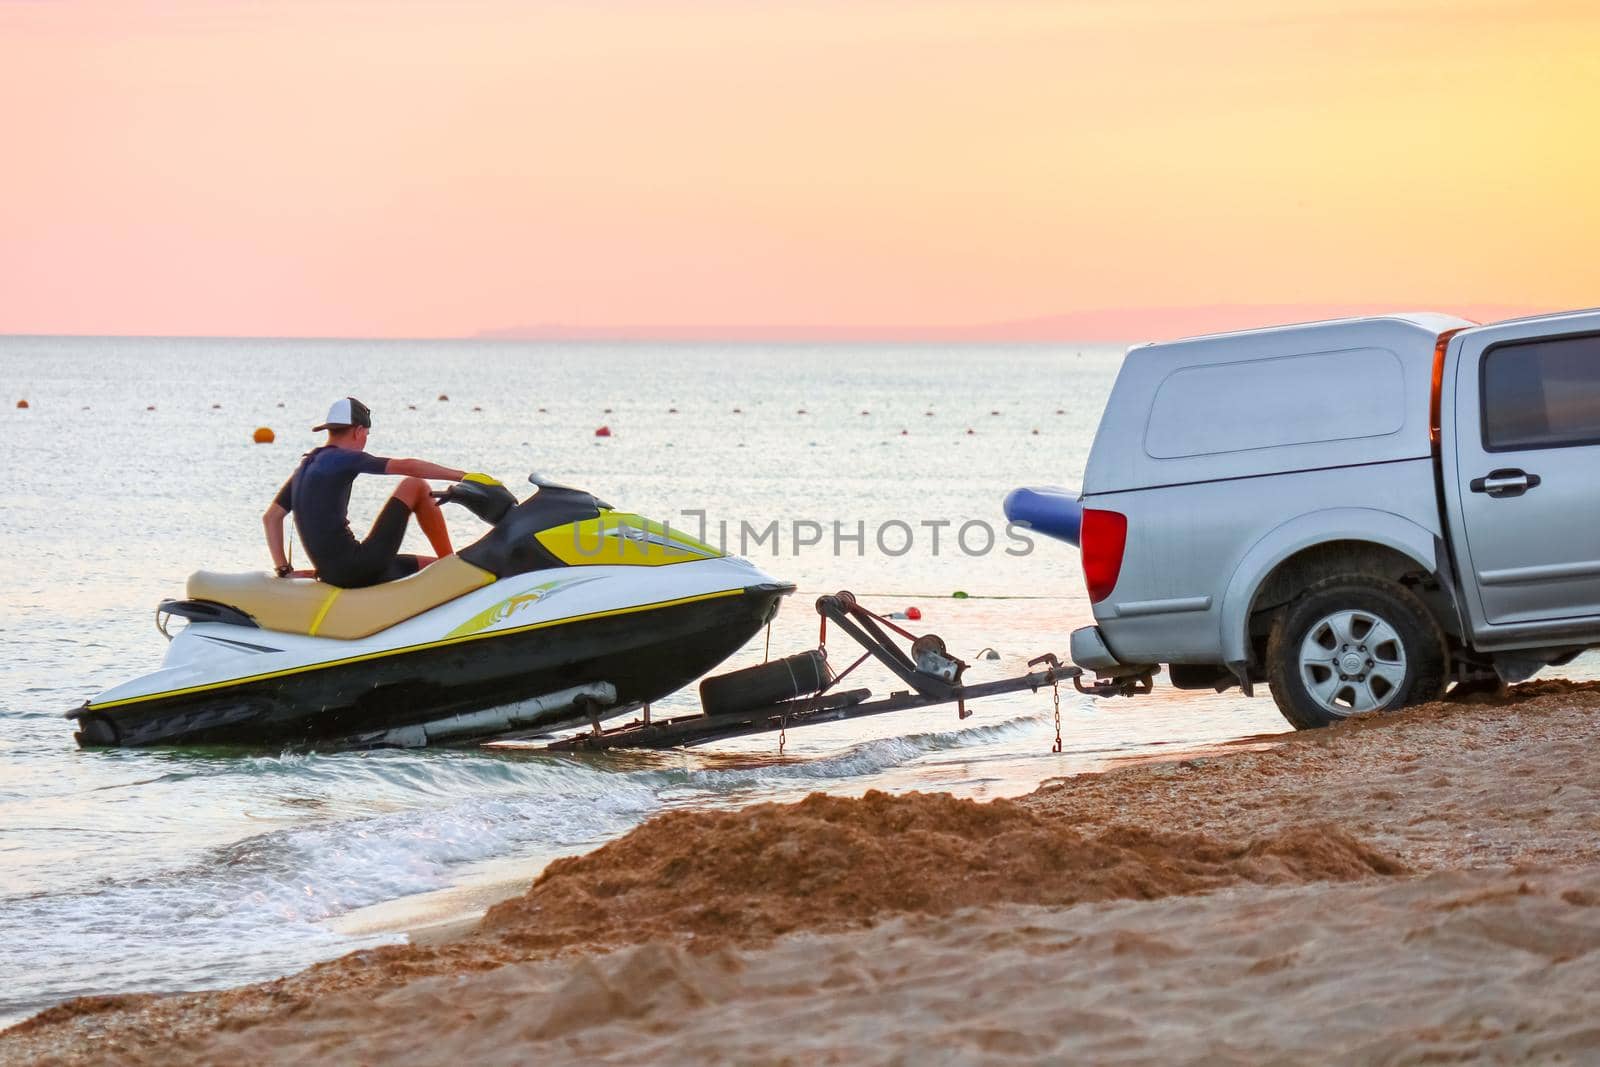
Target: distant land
[[1111, 324]]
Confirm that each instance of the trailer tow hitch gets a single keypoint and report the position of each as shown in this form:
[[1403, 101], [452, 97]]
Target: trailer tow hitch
[[1132, 685]]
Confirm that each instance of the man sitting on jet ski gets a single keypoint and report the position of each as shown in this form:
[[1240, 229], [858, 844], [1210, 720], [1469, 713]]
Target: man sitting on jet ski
[[318, 493]]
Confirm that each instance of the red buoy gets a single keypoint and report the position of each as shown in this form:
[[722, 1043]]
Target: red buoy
[[913, 613], [604, 431], [22, 403]]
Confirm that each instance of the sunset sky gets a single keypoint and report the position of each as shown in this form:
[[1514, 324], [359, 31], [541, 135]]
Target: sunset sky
[[414, 168]]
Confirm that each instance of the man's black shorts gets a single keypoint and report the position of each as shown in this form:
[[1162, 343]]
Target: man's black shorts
[[378, 558]]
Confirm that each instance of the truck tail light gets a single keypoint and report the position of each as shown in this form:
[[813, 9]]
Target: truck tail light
[[1439, 348], [1104, 536]]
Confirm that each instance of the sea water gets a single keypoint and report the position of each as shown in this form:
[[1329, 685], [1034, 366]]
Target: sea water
[[134, 464]]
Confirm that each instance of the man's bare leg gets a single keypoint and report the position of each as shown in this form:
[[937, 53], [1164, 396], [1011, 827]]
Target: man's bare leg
[[415, 494]]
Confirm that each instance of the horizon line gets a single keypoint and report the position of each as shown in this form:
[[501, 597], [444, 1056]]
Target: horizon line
[[1097, 326]]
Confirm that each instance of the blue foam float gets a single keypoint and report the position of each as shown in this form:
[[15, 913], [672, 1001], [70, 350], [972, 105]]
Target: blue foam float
[[1048, 509]]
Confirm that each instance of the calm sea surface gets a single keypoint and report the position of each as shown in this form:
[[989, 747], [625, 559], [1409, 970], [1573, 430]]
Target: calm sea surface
[[163, 870]]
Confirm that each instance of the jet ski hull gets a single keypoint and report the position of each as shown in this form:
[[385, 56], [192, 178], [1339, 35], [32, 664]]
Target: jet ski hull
[[643, 653]]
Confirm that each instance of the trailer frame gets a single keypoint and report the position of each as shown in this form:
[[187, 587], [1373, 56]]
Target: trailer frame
[[932, 675]]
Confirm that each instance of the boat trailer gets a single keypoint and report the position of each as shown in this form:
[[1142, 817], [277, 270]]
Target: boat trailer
[[803, 690]]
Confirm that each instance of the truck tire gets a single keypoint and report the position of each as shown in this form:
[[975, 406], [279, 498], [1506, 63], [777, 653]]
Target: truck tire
[[1352, 644]]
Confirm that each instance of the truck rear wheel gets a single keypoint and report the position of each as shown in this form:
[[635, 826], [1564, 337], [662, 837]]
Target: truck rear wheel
[[1353, 644]]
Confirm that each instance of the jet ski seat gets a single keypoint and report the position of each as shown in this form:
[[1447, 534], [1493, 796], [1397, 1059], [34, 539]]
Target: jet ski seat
[[307, 606]]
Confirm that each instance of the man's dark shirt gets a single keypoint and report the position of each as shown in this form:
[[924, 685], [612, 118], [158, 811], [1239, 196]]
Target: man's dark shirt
[[318, 493]]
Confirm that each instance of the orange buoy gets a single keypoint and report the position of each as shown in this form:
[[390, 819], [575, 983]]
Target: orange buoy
[[913, 613], [264, 435], [442, 397], [22, 404], [604, 431]]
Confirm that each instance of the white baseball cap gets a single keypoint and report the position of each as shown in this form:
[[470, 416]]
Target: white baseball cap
[[346, 411]]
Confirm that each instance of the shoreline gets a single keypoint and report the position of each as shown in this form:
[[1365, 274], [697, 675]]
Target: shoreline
[[460, 905], [1477, 816]]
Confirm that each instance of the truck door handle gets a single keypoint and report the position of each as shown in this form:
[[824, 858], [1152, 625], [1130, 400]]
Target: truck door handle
[[1508, 481]]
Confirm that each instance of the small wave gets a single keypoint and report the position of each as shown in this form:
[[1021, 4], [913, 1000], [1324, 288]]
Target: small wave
[[860, 760], [252, 908]]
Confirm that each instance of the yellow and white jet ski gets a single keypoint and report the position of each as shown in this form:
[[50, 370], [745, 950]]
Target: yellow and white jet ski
[[564, 614]]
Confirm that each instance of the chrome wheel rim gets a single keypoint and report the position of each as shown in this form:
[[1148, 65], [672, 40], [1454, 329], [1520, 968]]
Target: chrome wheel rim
[[1352, 662]]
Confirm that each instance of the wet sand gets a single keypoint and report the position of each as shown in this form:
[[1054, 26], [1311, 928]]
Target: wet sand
[[1417, 887]]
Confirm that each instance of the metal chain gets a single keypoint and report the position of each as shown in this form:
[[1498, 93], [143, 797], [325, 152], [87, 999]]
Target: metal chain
[[783, 734], [1055, 694]]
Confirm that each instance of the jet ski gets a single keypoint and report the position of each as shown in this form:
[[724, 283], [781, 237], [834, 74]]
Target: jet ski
[[566, 613]]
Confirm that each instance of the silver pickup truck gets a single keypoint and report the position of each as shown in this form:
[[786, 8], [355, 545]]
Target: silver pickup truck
[[1355, 512]]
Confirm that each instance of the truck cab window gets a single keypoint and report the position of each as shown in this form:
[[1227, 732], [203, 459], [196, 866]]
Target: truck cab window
[[1542, 394]]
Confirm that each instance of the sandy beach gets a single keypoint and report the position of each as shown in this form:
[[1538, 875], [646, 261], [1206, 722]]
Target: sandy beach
[[1421, 887]]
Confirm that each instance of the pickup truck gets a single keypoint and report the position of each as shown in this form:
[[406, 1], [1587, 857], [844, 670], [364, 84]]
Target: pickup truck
[[1357, 513]]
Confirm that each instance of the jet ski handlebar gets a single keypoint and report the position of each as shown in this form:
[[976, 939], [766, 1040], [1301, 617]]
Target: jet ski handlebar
[[489, 502]]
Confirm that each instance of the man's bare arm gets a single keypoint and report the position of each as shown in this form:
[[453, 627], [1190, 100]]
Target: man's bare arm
[[273, 521], [419, 468]]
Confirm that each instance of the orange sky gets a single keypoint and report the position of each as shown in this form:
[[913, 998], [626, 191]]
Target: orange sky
[[412, 168]]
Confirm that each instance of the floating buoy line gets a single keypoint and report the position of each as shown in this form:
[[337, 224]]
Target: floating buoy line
[[267, 435]]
